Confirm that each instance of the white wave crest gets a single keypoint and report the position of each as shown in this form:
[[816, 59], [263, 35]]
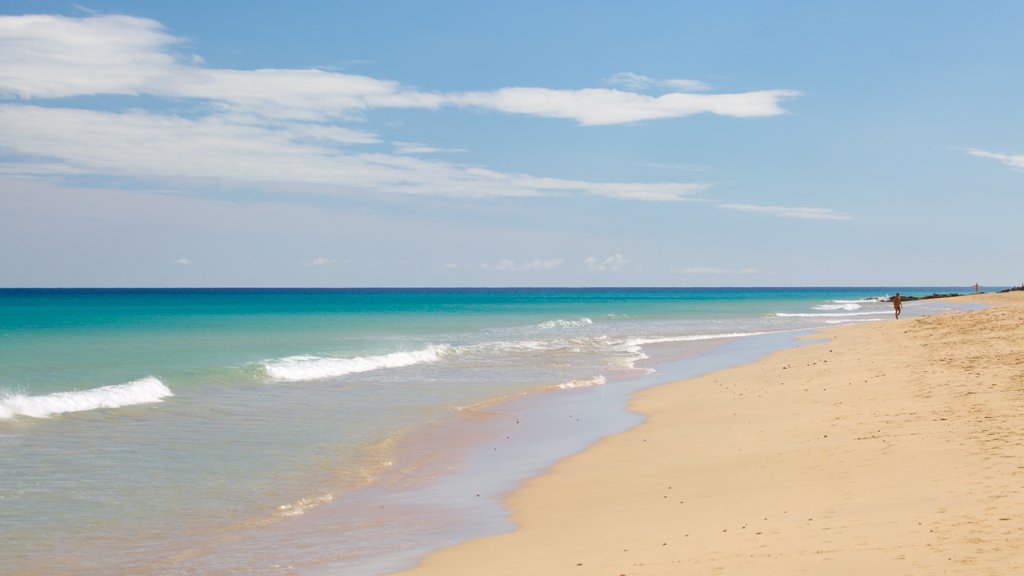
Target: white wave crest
[[595, 381], [873, 299], [848, 306], [302, 368], [828, 314], [565, 323], [502, 346], [695, 337], [144, 391]]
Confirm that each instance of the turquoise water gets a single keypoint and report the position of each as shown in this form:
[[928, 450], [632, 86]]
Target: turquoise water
[[149, 431]]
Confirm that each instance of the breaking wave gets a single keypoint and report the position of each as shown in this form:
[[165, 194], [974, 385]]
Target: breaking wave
[[595, 381], [848, 306], [565, 323], [302, 368], [695, 337], [144, 391], [828, 314]]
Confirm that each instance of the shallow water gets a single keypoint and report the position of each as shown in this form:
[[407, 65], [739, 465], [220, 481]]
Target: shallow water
[[260, 431]]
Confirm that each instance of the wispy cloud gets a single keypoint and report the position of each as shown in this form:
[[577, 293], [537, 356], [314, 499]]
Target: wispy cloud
[[56, 57], [635, 81], [182, 262], [602, 106], [141, 144], [529, 266], [414, 148], [803, 213], [319, 261], [1011, 160], [610, 264], [280, 126]]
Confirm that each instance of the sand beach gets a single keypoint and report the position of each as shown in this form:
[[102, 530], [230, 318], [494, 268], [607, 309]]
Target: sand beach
[[891, 447]]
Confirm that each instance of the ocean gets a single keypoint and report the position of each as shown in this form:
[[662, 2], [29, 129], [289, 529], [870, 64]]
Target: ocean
[[333, 431]]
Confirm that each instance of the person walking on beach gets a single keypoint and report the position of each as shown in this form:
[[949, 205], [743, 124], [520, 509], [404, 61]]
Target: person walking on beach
[[897, 305]]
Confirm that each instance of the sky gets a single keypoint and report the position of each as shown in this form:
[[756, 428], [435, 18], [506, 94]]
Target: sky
[[541, 143]]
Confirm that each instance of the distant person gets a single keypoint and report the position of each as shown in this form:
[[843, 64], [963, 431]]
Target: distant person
[[976, 287], [897, 305]]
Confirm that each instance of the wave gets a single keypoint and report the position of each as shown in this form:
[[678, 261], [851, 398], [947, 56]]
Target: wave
[[828, 314], [873, 299], [848, 306], [565, 323], [303, 368], [595, 381], [502, 346], [144, 391], [695, 337]]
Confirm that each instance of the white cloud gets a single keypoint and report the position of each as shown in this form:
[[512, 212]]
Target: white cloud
[[1011, 160], [319, 261], [54, 57], [601, 106], [279, 126], [221, 149], [182, 261], [530, 266], [414, 148], [610, 264], [654, 192], [328, 135], [639, 82], [85, 9], [804, 213]]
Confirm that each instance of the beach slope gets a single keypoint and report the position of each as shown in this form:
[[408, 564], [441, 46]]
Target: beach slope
[[891, 447]]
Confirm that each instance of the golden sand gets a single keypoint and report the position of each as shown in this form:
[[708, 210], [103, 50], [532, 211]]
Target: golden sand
[[892, 447]]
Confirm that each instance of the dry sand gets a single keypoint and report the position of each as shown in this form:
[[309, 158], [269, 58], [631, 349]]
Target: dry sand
[[892, 447]]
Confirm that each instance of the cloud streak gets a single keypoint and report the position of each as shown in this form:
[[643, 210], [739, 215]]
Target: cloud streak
[[802, 213], [140, 144], [529, 266], [614, 263], [1011, 160], [319, 261], [602, 106], [639, 82], [59, 57], [276, 127]]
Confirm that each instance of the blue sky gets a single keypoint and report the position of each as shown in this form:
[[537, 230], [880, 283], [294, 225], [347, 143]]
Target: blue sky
[[442, 143]]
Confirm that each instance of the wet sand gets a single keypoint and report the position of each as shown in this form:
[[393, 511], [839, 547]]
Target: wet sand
[[892, 447]]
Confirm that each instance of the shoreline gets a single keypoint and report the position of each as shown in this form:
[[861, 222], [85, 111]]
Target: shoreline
[[405, 512], [834, 455], [450, 479]]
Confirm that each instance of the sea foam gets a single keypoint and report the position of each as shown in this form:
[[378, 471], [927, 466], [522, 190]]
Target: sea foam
[[695, 337], [305, 367], [143, 391], [848, 306], [565, 323], [595, 381], [828, 314]]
